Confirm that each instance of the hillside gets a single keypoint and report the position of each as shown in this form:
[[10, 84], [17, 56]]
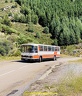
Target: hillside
[[62, 17], [13, 34], [39, 21]]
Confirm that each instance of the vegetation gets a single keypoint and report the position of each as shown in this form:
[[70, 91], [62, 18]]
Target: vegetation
[[79, 61], [70, 87], [49, 22], [72, 50], [66, 87], [63, 18]]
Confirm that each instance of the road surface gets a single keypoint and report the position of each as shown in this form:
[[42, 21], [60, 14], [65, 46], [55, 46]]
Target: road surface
[[16, 76]]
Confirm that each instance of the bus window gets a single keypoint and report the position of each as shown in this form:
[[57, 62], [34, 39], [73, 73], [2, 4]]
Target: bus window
[[45, 48], [35, 49], [52, 48], [49, 48], [25, 48], [56, 48], [41, 48]]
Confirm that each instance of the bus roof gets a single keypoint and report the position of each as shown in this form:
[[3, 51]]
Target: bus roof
[[39, 44]]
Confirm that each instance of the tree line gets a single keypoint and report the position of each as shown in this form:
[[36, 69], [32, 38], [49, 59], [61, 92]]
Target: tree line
[[62, 17]]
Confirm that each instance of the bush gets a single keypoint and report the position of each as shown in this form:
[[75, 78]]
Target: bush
[[6, 21], [16, 18], [55, 42], [10, 14], [22, 19], [30, 28], [4, 47], [21, 39], [6, 1], [46, 30], [2, 50], [14, 6], [17, 53], [38, 35], [14, 52], [11, 1], [8, 30], [34, 19]]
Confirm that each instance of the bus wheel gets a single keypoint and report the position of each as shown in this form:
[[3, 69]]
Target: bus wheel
[[55, 58], [40, 59]]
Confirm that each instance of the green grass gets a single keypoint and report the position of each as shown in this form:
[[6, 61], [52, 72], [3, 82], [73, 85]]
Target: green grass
[[6, 6], [79, 61], [21, 28], [3, 58], [70, 87]]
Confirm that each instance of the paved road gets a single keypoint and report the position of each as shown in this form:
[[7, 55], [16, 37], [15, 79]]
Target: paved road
[[16, 76]]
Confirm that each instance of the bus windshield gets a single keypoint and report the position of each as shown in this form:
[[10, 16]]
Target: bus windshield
[[29, 49]]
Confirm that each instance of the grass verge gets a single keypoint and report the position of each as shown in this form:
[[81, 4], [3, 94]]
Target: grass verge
[[79, 61], [70, 87], [2, 58]]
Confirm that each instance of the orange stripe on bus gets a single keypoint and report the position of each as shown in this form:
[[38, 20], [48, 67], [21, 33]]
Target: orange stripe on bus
[[43, 56], [48, 56], [36, 56]]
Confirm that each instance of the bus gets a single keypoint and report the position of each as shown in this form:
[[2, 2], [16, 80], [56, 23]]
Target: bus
[[31, 51]]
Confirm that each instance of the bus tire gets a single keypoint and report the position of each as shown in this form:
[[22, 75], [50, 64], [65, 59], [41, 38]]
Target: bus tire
[[55, 58], [40, 59]]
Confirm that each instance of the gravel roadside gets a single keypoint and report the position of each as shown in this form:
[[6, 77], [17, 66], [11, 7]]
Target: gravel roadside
[[63, 69]]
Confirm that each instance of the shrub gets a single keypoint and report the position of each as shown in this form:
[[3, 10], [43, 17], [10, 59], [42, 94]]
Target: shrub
[[14, 6], [38, 35], [8, 30], [34, 19], [55, 42], [6, 1], [10, 14], [11, 1], [46, 30], [17, 53], [23, 39], [28, 18], [14, 52], [6, 21], [16, 18], [2, 50], [22, 19], [30, 28], [4, 47]]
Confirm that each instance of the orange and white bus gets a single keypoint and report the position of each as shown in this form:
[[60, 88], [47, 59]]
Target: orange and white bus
[[39, 52]]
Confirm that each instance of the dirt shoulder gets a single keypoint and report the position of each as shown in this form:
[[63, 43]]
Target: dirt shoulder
[[62, 70]]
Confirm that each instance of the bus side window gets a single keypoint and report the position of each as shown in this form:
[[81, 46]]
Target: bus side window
[[56, 49], [41, 48], [53, 48], [49, 48], [45, 48], [26, 49], [35, 49], [22, 48]]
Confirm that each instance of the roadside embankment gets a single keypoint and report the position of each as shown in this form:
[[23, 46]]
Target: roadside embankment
[[62, 79]]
